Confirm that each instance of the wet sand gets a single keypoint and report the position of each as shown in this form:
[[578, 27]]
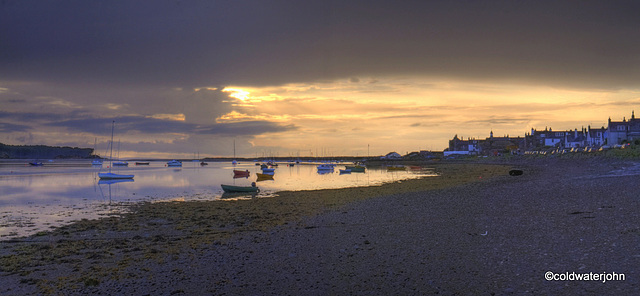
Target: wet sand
[[473, 230]]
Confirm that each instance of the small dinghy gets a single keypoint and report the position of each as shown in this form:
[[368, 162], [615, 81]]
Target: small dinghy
[[262, 177], [233, 188], [238, 173]]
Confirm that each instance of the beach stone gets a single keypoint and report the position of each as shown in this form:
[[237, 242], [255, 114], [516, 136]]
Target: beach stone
[[515, 172]]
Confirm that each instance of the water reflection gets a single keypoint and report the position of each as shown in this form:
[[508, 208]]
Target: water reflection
[[109, 183], [35, 198], [238, 195]]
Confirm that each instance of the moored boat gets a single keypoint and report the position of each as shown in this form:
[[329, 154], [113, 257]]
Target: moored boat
[[355, 169], [396, 168], [325, 172], [268, 170], [262, 177], [233, 188], [238, 173], [98, 160], [112, 176], [174, 163], [325, 167], [142, 163]]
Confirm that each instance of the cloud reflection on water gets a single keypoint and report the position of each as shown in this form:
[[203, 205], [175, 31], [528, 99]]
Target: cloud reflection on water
[[34, 199]]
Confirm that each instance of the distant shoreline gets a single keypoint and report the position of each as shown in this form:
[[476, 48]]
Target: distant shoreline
[[44, 152]]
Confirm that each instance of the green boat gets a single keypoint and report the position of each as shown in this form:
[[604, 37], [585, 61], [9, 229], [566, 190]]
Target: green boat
[[356, 169], [232, 188]]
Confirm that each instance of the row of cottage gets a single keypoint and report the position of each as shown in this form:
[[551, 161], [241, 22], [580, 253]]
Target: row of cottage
[[616, 133]]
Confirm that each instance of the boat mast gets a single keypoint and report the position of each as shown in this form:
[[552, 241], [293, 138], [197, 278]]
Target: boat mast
[[234, 161], [113, 124]]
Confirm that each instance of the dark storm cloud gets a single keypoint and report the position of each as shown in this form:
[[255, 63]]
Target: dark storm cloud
[[246, 128], [24, 121], [124, 124], [194, 43], [158, 126], [6, 127], [33, 117]]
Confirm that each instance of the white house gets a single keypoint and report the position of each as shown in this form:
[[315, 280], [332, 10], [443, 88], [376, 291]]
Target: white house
[[392, 155]]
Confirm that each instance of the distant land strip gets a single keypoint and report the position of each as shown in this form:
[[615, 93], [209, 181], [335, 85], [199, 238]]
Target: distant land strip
[[43, 152]]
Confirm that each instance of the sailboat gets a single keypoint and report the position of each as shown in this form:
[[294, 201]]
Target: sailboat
[[234, 162], [110, 175], [98, 160], [120, 162]]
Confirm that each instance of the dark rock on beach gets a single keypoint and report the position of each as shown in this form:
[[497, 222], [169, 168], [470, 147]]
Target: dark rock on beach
[[516, 172]]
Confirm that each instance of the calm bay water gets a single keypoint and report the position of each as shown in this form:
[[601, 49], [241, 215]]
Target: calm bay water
[[34, 199]]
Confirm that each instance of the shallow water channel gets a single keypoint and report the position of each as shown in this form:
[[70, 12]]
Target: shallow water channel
[[34, 199]]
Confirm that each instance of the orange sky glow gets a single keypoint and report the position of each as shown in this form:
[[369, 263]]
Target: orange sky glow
[[185, 78]]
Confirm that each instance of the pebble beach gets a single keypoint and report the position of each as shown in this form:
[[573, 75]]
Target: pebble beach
[[473, 230]]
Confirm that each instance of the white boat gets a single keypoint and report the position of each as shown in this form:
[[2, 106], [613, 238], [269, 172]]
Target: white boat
[[174, 163], [234, 161], [110, 175], [119, 162]]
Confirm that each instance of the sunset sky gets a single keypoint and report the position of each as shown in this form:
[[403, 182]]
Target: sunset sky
[[288, 78]]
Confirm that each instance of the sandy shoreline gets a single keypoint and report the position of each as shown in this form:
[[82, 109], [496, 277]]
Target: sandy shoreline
[[466, 233]]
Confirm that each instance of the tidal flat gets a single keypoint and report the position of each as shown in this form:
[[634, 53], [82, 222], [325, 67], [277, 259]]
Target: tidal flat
[[472, 229]]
